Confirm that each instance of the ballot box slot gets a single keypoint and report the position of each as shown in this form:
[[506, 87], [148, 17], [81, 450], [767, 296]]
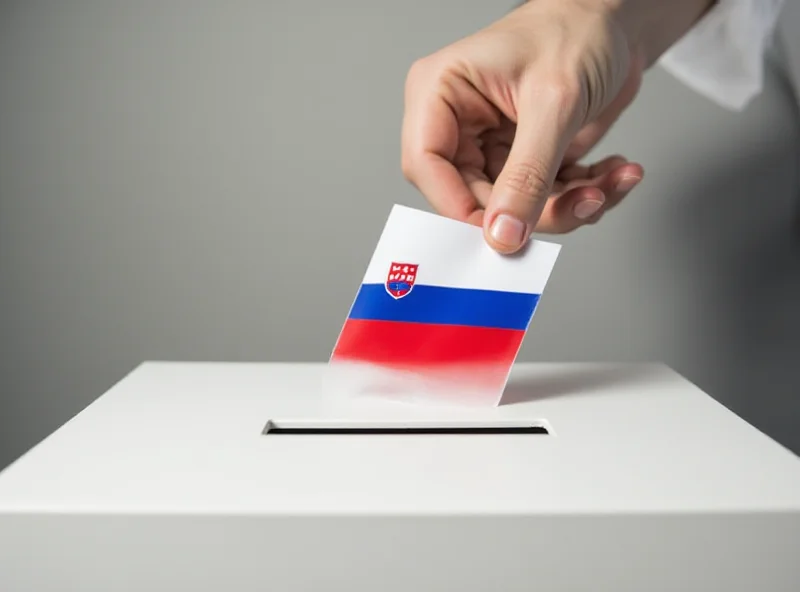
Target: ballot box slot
[[331, 428]]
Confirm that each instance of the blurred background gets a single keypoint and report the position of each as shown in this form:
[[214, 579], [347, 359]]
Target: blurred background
[[207, 180]]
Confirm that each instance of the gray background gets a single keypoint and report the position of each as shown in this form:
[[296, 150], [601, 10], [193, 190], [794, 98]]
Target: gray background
[[207, 180]]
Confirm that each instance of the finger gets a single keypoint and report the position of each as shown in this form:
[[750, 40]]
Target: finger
[[577, 172], [586, 204], [430, 138], [571, 210], [481, 188], [446, 190], [618, 183], [478, 184], [524, 184], [496, 157]]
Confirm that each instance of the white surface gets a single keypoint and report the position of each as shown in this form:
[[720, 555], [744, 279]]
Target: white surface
[[183, 438], [455, 254], [722, 57]]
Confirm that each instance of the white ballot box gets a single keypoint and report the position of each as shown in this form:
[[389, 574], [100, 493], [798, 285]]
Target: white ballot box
[[254, 477]]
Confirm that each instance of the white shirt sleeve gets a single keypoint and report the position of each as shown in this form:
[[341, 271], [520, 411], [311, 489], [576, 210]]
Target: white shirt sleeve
[[723, 56]]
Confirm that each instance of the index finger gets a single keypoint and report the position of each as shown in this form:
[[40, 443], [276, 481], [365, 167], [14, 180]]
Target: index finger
[[430, 138]]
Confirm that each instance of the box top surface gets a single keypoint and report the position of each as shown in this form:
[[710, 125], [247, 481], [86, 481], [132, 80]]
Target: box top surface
[[187, 438]]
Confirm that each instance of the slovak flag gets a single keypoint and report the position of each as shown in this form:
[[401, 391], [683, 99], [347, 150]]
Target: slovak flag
[[438, 306]]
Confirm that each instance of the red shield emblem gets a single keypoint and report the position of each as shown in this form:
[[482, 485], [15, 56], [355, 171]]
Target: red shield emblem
[[400, 279]]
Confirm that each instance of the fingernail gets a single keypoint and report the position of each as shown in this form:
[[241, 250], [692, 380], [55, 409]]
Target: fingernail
[[508, 231], [587, 208], [627, 183]]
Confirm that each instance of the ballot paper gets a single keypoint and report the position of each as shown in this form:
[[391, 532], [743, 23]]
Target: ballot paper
[[439, 314]]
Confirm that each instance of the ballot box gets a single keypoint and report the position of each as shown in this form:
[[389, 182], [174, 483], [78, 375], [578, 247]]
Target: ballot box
[[246, 477]]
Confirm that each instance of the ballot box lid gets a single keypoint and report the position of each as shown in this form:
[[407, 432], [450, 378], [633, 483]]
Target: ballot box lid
[[256, 439]]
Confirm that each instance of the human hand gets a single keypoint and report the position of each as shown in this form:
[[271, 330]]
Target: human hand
[[496, 123]]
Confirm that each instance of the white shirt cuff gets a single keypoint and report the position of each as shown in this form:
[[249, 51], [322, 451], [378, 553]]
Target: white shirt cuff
[[723, 56]]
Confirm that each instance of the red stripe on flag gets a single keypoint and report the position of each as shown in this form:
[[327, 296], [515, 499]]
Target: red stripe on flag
[[417, 345]]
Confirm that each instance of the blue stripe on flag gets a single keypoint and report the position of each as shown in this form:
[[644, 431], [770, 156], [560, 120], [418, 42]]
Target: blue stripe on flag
[[446, 306]]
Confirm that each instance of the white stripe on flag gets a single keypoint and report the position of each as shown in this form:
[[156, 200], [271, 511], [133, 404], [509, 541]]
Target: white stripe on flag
[[455, 255]]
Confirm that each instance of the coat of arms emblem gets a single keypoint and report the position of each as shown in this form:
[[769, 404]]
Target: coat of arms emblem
[[400, 279]]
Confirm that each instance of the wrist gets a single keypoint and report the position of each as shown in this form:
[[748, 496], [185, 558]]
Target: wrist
[[653, 26]]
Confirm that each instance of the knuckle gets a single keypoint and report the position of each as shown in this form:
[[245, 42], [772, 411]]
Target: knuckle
[[418, 71], [407, 166], [563, 90], [412, 163], [413, 71], [528, 180]]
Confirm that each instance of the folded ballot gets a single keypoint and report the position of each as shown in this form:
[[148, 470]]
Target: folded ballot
[[439, 313]]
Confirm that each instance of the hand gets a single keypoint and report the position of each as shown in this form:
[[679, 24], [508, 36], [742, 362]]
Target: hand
[[496, 123]]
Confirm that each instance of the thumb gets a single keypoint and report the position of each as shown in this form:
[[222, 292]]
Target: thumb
[[525, 182]]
